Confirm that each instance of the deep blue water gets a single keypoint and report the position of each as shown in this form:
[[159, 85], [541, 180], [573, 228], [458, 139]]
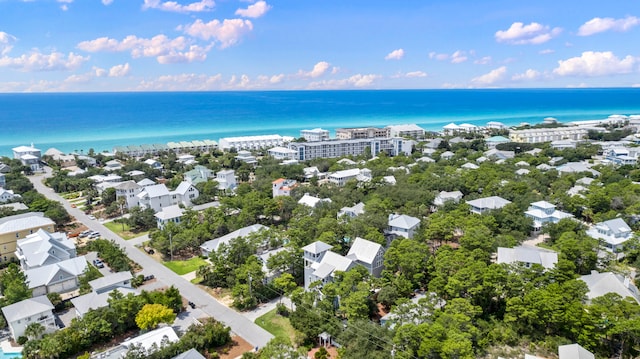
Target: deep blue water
[[79, 121]]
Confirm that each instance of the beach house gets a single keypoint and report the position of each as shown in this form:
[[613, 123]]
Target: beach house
[[226, 180], [340, 178], [213, 245], [482, 205], [317, 134], [444, 197], [128, 190], [351, 212], [281, 153], [528, 256], [43, 248], [543, 212], [312, 201], [169, 214], [101, 289], [60, 277], [33, 310], [8, 195], [29, 156], [19, 226], [600, 284], [612, 234], [403, 225], [198, 174], [283, 187]]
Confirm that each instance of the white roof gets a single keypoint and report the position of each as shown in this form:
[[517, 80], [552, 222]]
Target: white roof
[[154, 191], [493, 202], [543, 205], [24, 149], [170, 212], [45, 275], [39, 246], [330, 263], [317, 247], [127, 185], [345, 173], [406, 127], [183, 187], [311, 201], [110, 280], [403, 221], [451, 126], [157, 336], [574, 351], [213, 244], [21, 222], [527, 254], [602, 283], [146, 182], [279, 149], [363, 250], [94, 300], [470, 166], [27, 308]]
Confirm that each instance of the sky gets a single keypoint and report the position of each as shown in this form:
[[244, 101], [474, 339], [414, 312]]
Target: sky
[[223, 45]]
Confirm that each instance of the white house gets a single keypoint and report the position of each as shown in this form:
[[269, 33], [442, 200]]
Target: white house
[[368, 254], [153, 339], [283, 187], [128, 190], [112, 281], [58, 277], [112, 165], [403, 225], [482, 205], [407, 130], [184, 194], [155, 197], [33, 310], [213, 245], [187, 159], [226, 180], [444, 197], [340, 178], [8, 195], [317, 134], [321, 263], [574, 351], [612, 233], [246, 157], [101, 291], [169, 214], [352, 212], [543, 212], [600, 284], [311, 201], [528, 256], [29, 156], [153, 164], [577, 167], [282, 153], [198, 174], [43, 248], [496, 154]]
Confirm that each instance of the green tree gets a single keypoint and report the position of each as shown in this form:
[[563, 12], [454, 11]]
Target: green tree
[[13, 285], [34, 330], [108, 196], [153, 314]]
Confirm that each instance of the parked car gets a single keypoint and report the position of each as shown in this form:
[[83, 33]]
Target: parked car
[[98, 263], [94, 235], [91, 216], [84, 233]]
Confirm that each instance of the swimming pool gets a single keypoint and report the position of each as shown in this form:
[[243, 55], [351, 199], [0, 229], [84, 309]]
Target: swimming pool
[[4, 355]]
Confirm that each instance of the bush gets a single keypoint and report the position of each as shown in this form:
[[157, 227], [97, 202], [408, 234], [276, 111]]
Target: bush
[[22, 339], [282, 310]]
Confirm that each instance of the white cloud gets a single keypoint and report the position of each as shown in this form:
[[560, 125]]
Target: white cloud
[[521, 34], [37, 61], [491, 77], [483, 61], [546, 51], [119, 70], [6, 43], [592, 63], [411, 74], [355, 81], [276, 79], [528, 75], [107, 2], [227, 33], [182, 82], [255, 10], [166, 50], [458, 57], [395, 55], [319, 69], [635, 85], [599, 24], [437, 56], [173, 6]]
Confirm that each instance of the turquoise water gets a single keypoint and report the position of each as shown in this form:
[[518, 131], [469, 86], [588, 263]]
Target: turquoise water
[[9, 355], [80, 121]]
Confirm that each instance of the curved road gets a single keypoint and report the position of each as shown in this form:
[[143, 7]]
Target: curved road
[[240, 325]]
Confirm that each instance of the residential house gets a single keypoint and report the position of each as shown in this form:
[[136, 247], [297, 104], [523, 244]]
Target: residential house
[[493, 141], [447, 155], [340, 178], [187, 159], [8, 195], [482, 159], [29, 156], [574, 351], [522, 172], [321, 263], [128, 190], [496, 154], [470, 166], [577, 167], [136, 174], [368, 254], [58, 277], [310, 172], [621, 156], [482, 205], [311, 201], [101, 292], [155, 197], [190, 354], [444, 197], [145, 182], [317, 134], [528, 256], [33, 310], [351, 212], [184, 194], [226, 180], [3, 181], [156, 165], [151, 341], [403, 225], [19, 226], [169, 214], [198, 174], [269, 274], [281, 153], [59, 156], [4, 168], [391, 180], [612, 233], [113, 165], [283, 187], [246, 157], [600, 284], [43, 248], [543, 212], [213, 245]]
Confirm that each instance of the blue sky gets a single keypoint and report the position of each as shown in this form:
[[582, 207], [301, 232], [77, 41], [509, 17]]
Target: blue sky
[[190, 45]]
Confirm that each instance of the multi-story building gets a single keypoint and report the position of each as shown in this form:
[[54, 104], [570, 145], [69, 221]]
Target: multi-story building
[[362, 132], [128, 190], [19, 226], [317, 134], [283, 187], [29, 156], [252, 142], [354, 147], [409, 130], [226, 179], [536, 135]]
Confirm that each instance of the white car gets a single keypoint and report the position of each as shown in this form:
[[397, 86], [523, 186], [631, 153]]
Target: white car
[[91, 216]]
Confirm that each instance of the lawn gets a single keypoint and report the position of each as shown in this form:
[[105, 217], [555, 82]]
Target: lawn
[[184, 267], [277, 325], [116, 227]]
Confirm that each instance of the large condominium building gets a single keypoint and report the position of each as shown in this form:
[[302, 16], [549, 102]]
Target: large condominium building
[[409, 130], [339, 148], [252, 142], [317, 134], [536, 135], [20, 226], [362, 132]]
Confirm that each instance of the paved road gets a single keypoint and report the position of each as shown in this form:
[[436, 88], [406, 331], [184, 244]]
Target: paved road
[[239, 324]]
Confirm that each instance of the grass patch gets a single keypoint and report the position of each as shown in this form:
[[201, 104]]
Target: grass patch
[[126, 234], [277, 325], [184, 267]]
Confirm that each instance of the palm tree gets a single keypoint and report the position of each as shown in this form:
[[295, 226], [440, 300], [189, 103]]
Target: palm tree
[[34, 331]]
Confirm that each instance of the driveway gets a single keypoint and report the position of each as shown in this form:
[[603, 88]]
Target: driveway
[[238, 323]]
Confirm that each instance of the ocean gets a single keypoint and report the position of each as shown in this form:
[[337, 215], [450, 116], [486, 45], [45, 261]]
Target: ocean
[[80, 121]]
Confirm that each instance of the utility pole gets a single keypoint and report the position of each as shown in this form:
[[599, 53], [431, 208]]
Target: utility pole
[[250, 285], [171, 244]]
